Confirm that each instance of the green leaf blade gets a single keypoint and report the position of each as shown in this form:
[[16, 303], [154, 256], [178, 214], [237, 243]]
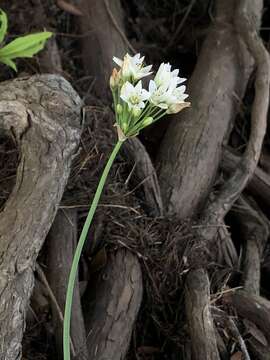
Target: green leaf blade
[[9, 63], [25, 46], [3, 25]]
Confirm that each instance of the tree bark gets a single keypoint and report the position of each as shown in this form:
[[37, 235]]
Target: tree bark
[[201, 327], [191, 149], [112, 308], [61, 243], [43, 114], [101, 40]]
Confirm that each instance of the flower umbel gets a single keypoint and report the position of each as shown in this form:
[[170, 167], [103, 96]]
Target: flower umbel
[[135, 107]]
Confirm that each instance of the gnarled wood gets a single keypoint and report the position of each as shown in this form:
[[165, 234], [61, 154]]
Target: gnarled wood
[[191, 150], [254, 308], [61, 243], [43, 113], [259, 184], [112, 307], [101, 40], [255, 230], [201, 327]]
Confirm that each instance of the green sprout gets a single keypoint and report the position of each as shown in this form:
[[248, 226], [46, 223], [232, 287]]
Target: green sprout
[[22, 47]]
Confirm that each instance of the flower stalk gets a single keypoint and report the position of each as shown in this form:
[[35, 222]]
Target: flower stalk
[[135, 108], [78, 252]]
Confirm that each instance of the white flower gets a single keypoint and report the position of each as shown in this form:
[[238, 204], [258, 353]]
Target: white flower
[[134, 96], [132, 67], [164, 76], [158, 95], [164, 91]]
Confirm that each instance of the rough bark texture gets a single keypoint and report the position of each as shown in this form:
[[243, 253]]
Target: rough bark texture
[[259, 185], [43, 114], [101, 34], [201, 327], [113, 307], [61, 243], [254, 308], [191, 149], [254, 227]]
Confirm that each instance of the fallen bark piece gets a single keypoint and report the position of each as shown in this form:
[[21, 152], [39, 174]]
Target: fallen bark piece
[[43, 114], [112, 305]]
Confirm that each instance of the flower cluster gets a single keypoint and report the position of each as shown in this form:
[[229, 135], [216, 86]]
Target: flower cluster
[[136, 107]]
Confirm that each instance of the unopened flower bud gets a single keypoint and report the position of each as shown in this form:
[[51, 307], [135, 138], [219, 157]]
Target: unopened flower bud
[[119, 109], [147, 121], [114, 79], [124, 127], [175, 108]]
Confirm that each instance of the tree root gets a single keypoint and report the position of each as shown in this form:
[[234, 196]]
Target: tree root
[[201, 327], [60, 244], [111, 305], [43, 114]]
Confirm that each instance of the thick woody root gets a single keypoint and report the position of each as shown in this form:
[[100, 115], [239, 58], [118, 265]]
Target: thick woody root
[[102, 27], [47, 138], [197, 293], [60, 247], [259, 185], [200, 126], [190, 153], [112, 305]]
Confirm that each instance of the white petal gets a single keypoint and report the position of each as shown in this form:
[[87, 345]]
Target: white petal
[[152, 86], [147, 68], [126, 90], [118, 61], [129, 88], [180, 80], [138, 87], [145, 95], [141, 105], [184, 96], [181, 89]]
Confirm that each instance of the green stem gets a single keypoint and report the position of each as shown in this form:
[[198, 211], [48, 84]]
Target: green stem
[[77, 255]]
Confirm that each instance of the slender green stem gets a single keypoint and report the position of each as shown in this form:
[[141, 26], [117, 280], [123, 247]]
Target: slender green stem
[[77, 255]]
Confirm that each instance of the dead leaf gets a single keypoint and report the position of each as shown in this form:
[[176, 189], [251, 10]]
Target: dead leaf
[[69, 8], [237, 356]]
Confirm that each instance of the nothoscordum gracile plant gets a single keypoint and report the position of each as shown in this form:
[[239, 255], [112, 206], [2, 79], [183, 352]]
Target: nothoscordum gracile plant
[[135, 109]]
